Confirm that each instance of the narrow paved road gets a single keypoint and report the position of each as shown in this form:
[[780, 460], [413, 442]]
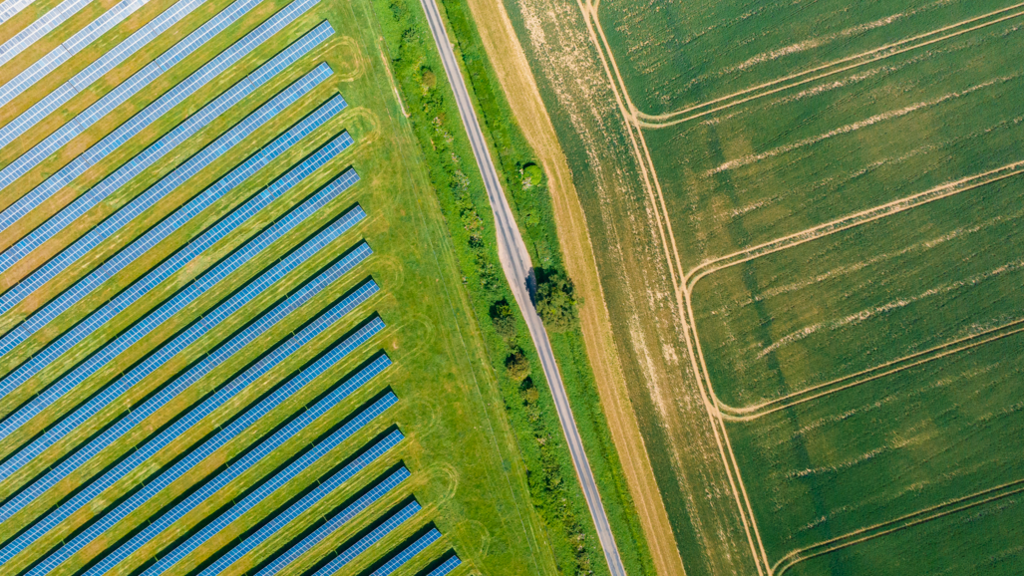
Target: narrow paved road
[[516, 261]]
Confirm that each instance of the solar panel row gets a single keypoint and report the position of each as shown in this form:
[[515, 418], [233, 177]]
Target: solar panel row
[[137, 457], [11, 7], [406, 554], [156, 234], [134, 292], [235, 427], [446, 567], [102, 399], [179, 426], [36, 30], [323, 487], [184, 297], [279, 479], [63, 52], [371, 538], [89, 74], [128, 88], [283, 518], [163, 146]]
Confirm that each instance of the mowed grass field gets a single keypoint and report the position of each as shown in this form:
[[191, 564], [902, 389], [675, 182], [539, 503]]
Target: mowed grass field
[[844, 187], [465, 467]]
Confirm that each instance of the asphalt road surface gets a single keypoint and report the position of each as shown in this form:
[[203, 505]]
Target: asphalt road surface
[[516, 262]]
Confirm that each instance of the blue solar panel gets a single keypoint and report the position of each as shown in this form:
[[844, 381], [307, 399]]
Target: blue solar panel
[[123, 383], [122, 92], [154, 193], [255, 455], [41, 27], [189, 294], [68, 48], [335, 521], [374, 536], [141, 454], [406, 554], [446, 567], [153, 153], [323, 488]]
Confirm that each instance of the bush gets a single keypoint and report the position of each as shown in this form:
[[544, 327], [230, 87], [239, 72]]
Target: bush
[[504, 320], [517, 366], [556, 302]]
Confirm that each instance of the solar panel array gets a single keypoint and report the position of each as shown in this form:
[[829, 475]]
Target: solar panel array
[[155, 341]]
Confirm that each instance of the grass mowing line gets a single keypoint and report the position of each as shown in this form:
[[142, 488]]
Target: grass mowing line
[[36, 30], [59, 96], [332, 521], [104, 398], [176, 303], [128, 88], [147, 198], [237, 428], [910, 520], [858, 60], [747, 413], [323, 490], [178, 259], [170, 558], [169, 433]]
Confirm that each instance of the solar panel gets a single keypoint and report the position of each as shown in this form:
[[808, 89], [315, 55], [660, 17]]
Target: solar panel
[[406, 554], [244, 463], [41, 27], [333, 522], [11, 7], [123, 383], [170, 433], [163, 146], [62, 53], [445, 567], [323, 488], [125, 90], [374, 536], [201, 284]]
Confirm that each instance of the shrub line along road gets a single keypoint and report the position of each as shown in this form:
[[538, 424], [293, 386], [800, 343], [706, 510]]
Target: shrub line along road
[[516, 262]]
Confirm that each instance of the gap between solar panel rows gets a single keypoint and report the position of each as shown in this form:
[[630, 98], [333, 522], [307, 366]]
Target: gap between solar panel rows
[[105, 396], [181, 425], [128, 88], [153, 153], [147, 198], [204, 282], [257, 456]]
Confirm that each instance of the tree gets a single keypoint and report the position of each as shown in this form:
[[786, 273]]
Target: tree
[[556, 302]]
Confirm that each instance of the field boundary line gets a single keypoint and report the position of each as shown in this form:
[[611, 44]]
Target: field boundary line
[[589, 10], [752, 412], [855, 219], [871, 56], [907, 521]]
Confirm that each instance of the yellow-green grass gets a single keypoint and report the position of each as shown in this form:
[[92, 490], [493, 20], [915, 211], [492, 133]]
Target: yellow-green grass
[[869, 296], [678, 54], [785, 163], [458, 446]]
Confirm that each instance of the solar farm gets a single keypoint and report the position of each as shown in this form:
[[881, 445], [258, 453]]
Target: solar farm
[[230, 335]]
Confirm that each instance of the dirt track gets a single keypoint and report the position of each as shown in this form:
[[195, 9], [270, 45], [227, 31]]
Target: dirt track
[[513, 72]]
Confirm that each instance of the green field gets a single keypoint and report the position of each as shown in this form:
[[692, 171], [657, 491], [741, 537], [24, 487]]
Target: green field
[[843, 185], [467, 470]]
